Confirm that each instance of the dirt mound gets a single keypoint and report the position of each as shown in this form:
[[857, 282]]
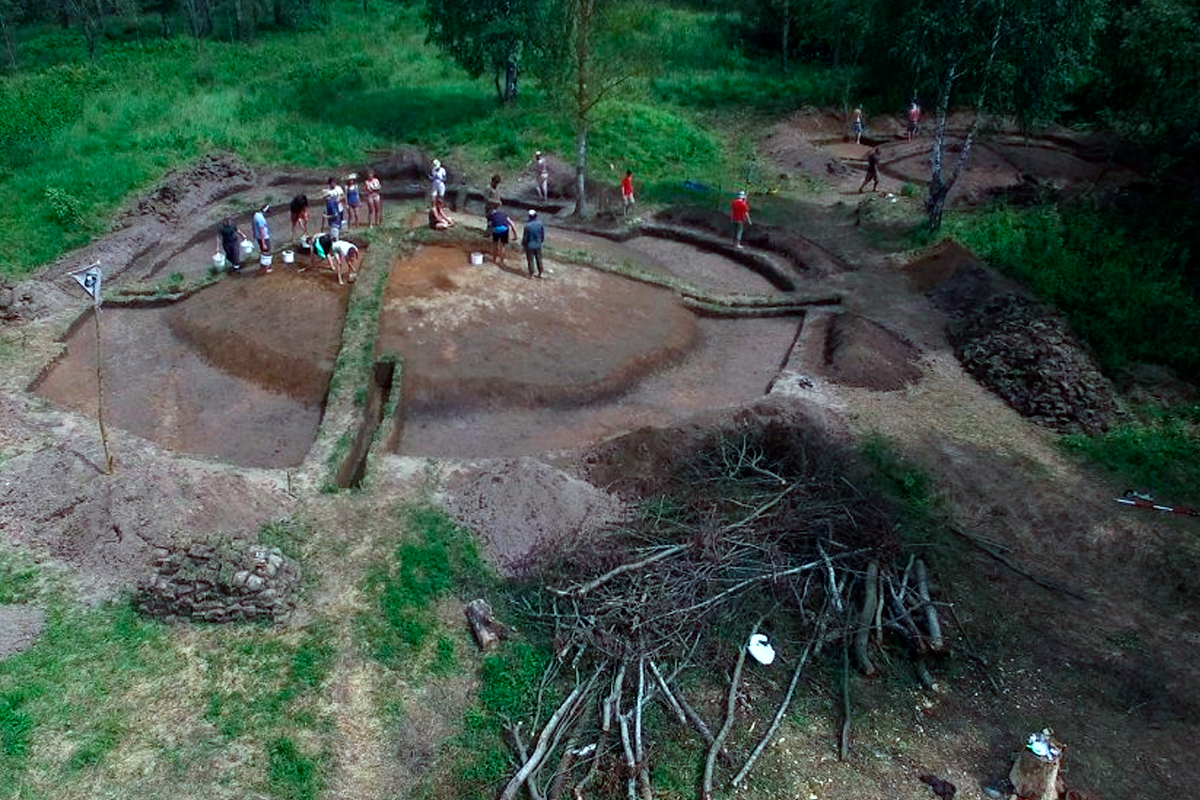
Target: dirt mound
[[106, 527], [793, 143], [19, 628], [402, 164], [861, 352], [1029, 357], [518, 505], [644, 463], [952, 278], [168, 201]]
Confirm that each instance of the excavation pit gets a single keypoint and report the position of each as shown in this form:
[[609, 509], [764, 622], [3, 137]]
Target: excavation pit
[[498, 364], [238, 371]]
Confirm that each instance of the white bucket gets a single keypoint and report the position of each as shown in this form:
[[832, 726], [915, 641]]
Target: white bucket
[[264, 260], [247, 246], [288, 256], [477, 258], [218, 260]]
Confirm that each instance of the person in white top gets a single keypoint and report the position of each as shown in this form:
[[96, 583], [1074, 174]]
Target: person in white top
[[437, 181], [541, 169]]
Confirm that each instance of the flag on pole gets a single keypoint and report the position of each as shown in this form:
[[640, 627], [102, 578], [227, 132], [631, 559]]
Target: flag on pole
[[90, 279]]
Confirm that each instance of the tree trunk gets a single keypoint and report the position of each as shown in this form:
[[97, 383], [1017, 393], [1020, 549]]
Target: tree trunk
[[10, 48], [483, 625], [511, 72], [787, 27], [581, 132], [1034, 778]]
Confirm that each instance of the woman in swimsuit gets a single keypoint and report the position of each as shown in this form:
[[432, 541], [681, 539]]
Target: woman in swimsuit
[[352, 197], [374, 199]]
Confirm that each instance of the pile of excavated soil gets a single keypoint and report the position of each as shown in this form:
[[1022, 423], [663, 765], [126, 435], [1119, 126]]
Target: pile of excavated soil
[[169, 201], [1029, 357], [519, 506], [861, 352], [58, 502], [953, 279]]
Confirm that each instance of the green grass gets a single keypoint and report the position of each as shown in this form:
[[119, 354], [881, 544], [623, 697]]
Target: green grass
[[1159, 453], [433, 560], [107, 703], [81, 137], [1124, 294]]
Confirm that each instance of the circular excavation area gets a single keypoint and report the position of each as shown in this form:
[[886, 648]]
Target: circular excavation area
[[496, 364]]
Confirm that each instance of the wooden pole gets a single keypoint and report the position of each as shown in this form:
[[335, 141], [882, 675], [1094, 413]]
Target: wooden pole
[[108, 459]]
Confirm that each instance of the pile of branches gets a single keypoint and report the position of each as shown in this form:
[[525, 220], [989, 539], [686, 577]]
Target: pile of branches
[[764, 533]]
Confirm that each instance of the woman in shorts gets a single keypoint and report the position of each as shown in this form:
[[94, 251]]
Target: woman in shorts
[[502, 228], [374, 199]]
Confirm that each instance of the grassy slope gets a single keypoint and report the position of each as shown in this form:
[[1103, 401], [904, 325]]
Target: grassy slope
[[82, 137]]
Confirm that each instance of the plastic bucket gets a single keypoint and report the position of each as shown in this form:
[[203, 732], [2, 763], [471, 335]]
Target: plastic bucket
[[247, 246], [477, 258], [264, 260], [218, 259], [288, 256]]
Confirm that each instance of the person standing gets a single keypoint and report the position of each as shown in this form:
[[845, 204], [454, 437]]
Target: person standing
[[374, 199], [262, 235], [332, 216], [492, 199], [339, 194], [231, 237], [437, 181], [502, 228], [353, 200], [857, 126], [739, 214], [532, 239], [299, 210], [914, 119], [627, 200], [872, 171], [542, 172]]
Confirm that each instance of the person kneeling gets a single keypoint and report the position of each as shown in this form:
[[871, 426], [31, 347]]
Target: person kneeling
[[439, 220]]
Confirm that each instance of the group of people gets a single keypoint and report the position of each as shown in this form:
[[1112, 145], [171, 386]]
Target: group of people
[[341, 211], [912, 122]]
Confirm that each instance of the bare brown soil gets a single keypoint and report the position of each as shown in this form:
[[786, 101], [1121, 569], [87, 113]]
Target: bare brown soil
[[237, 371]]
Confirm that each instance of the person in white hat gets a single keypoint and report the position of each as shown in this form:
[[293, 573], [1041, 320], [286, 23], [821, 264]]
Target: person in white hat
[[437, 181], [352, 199], [532, 239], [739, 215]]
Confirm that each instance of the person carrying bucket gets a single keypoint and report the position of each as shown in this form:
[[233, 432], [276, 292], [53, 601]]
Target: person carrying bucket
[[230, 236], [262, 235]]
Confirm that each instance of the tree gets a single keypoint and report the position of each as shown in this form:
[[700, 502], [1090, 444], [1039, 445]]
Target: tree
[[605, 52], [489, 36], [1006, 56]]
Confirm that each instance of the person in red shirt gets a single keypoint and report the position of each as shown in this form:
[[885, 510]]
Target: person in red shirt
[[627, 191], [739, 213]]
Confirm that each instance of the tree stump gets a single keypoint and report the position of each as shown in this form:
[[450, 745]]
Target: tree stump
[[484, 627], [1034, 778]]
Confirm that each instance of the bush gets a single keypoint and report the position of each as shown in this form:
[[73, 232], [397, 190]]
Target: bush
[[1159, 453], [1123, 293]]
